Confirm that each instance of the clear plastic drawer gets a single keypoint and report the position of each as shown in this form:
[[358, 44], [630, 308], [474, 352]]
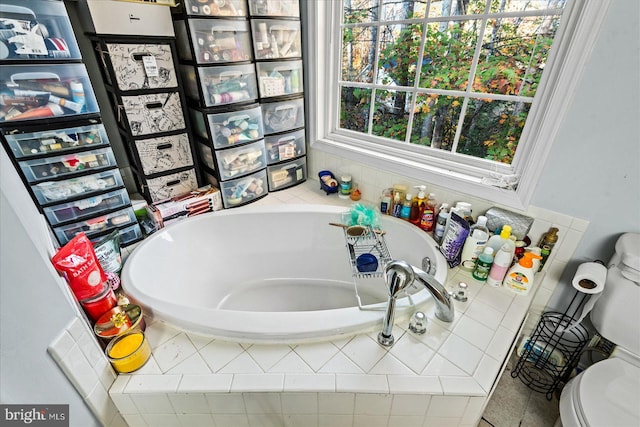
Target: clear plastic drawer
[[84, 208], [290, 8], [67, 164], [36, 30], [29, 93], [212, 7], [244, 190], [214, 40], [131, 73], [94, 226], [54, 141], [288, 174], [57, 191], [279, 78], [239, 161], [164, 153], [276, 38], [221, 85], [282, 116], [231, 127], [285, 147]]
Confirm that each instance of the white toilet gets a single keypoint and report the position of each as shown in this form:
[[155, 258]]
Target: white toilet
[[607, 394]]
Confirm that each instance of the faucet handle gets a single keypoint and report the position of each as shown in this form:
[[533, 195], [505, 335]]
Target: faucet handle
[[418, 323], [461, 293]]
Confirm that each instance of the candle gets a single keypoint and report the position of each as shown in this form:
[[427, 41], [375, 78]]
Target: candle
[[101, 303], [129, 352]]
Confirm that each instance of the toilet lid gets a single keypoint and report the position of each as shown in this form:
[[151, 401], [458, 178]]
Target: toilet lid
[[609, 394]]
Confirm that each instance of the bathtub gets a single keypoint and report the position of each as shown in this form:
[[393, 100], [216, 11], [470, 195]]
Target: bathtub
[[270, 274]]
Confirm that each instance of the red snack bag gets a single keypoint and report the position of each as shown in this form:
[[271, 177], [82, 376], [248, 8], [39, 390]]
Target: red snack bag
[[78, 262]]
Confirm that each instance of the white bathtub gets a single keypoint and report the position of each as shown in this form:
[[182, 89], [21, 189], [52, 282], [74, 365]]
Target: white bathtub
[[269, 274]]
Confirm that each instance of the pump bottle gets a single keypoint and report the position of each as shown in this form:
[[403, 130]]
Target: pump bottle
[[405, 211], [417, 206], [501, 263], [520, 277], [397, 205], [546, 245]]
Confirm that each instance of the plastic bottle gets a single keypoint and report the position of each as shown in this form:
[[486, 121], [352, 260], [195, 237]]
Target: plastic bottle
[[385, 201], [475, 243], [397, 205], [405, 211], [483, 265], [441, 224], [428, 218], [546, 245], [496, 241], [536, 261], [417, 206], [501, 263], [520, 277]]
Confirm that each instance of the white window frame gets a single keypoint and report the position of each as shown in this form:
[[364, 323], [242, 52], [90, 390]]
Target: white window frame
[[574, 42]]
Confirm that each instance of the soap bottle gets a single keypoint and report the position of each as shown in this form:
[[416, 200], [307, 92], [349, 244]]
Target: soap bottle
[[428, 218], [483, 265], [519, 278], [385, 201], [397, 205], [546, 244], [496, 241], [473, 246], [501, 263], [441, 224], [405, 211], [417, 206]]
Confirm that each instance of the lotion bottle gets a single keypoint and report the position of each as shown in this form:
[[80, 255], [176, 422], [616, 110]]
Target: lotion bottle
[[519, 278], [501, 263], [397, 205], [405, 211]]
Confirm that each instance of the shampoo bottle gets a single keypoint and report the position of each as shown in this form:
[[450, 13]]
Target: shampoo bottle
[[519, 278], [496, 241], [428, 219], [483, 265], [417, 206], [405, 211], [501, 263], [473, 246]]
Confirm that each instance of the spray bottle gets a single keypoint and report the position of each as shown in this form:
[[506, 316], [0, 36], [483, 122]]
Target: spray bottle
[[519, 278], [443, 216]]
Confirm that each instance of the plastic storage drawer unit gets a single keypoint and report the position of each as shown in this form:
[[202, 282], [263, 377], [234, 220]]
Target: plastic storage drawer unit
[[279, 78], [287, 174], [220, 85], [244, 190], [230, 8], [81, 209], [55, 140], [153, 113], [213, 40], [94, 226], [128, 60], [276, 39], [229, 128], [83, 186], [288, 8], [36, 29], [282, 116], [241, 160], [164, 153], [285, 146], [171, 185], [64, 165], [28, 93]]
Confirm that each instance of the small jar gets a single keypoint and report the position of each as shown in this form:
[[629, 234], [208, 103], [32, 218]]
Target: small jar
[[128, 352], [101, 303], [345, 185]]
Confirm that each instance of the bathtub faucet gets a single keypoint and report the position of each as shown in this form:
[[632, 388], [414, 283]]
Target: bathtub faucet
[[400, 274]]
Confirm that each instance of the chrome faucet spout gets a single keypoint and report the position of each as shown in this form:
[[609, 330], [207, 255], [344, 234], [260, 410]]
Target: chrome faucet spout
[[400, 274]]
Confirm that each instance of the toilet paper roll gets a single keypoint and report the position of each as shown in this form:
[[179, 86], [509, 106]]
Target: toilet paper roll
[[590, 278]]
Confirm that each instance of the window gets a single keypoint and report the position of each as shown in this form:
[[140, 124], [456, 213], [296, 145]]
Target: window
[[465, 94]]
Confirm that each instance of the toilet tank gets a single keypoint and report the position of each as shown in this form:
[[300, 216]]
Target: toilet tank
[[616, 314]]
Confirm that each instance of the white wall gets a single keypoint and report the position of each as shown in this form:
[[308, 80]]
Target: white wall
[[593, 170], [33, 308]]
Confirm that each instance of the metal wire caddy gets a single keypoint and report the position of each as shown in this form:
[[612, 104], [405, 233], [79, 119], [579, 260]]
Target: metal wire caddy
[[371, 241]]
